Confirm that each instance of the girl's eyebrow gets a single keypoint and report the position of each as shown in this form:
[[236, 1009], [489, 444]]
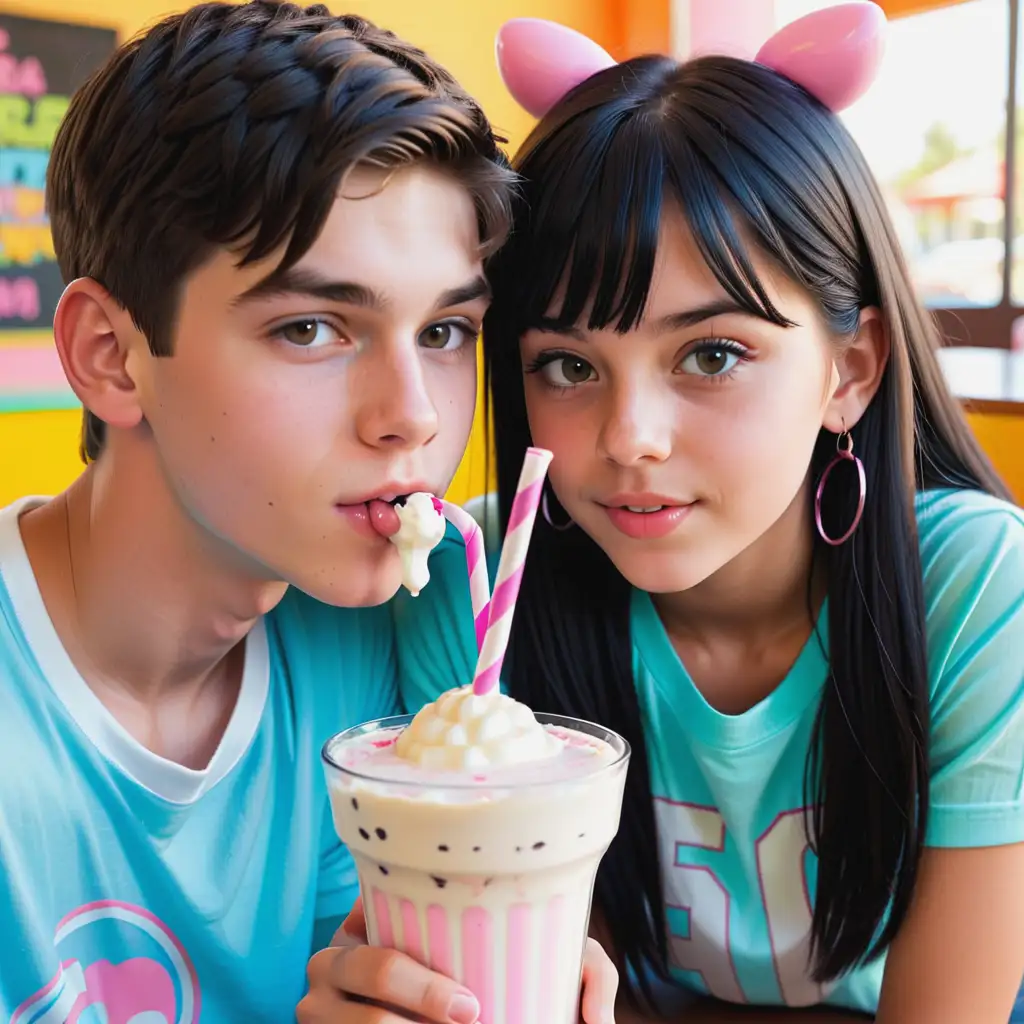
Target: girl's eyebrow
[[663, 325]]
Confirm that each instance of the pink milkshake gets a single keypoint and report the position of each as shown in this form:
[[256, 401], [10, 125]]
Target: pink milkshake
[[477, 828]]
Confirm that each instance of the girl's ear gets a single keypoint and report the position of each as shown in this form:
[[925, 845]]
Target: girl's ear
[[859, 367]]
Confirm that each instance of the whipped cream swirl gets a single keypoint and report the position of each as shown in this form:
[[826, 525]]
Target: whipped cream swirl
[[464, 731]]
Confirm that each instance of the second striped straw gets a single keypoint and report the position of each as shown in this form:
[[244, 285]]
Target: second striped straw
[[510, 569]]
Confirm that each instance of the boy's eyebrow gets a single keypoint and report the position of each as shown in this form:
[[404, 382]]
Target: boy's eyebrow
[[478, 288], [300, 281]]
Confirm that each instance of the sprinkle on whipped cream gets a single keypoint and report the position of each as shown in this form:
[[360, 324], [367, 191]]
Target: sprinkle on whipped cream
[[465, 731], [422, 529]]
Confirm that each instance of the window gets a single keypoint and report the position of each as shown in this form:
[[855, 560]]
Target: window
[[934, 130]]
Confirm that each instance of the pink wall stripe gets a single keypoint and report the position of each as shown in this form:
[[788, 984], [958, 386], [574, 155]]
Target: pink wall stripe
[[31, 367]]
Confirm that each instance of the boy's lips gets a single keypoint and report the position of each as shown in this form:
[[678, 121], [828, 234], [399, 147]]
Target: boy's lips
[[375, 517]]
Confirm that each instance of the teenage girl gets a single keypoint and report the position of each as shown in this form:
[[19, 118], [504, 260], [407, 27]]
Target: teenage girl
[[771, 554]]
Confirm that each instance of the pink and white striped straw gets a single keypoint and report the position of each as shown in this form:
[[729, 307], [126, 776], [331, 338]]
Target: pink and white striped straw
[[510, 569], [476, 563]]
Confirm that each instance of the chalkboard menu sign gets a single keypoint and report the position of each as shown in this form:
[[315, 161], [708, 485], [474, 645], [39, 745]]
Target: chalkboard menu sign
[[41, 64]]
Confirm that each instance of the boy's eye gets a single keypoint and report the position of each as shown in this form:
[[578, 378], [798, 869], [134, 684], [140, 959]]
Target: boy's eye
[[309, 333], [445, 336]]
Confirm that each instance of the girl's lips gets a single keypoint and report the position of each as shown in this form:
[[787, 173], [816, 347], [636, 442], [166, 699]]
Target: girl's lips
[[647, 525]]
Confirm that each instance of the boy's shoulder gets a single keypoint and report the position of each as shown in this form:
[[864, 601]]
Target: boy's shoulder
[[343, 657]]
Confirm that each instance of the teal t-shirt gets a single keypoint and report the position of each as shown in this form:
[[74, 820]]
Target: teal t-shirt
[[739, 877], [133, 889]]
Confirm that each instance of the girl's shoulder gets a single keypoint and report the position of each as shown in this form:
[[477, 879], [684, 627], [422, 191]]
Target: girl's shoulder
[[951, 506], [972, 557], [972, 561], [964, 533]]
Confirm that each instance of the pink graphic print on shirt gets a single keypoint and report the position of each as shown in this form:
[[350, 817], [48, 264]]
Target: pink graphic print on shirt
[[155, 984]]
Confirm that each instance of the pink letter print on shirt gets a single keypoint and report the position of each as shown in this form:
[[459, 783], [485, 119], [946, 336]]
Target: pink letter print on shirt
[[158, 986]]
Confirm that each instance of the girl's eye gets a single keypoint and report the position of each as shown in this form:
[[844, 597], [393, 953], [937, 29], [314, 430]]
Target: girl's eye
[[446, 336], [713, 359], [309, 333], [565, 371]]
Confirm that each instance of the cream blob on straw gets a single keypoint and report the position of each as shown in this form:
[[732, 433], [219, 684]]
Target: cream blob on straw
[[510, 569]]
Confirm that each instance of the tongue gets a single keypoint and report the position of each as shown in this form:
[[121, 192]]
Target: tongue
[[383, 517]]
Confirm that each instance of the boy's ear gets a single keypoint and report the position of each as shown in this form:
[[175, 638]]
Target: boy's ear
[[94, 336]]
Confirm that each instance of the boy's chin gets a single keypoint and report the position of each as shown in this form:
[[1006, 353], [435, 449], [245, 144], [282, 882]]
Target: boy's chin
[[360, 586]]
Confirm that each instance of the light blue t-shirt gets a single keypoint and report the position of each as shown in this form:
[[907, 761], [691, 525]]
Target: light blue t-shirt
[[738, 875], [135, 889]]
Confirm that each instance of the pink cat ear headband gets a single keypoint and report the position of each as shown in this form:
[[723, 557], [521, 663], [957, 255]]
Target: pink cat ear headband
[[833, 53]]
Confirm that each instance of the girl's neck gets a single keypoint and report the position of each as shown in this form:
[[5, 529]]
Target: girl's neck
[[767, 590]]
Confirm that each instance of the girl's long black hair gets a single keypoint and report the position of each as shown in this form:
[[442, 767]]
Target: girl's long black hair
[[750, 159]]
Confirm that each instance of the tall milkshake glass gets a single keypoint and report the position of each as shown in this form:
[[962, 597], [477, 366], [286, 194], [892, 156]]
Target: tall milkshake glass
[[486, 877]]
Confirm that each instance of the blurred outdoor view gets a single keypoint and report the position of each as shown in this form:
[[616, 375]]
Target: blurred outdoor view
[[933, 129]]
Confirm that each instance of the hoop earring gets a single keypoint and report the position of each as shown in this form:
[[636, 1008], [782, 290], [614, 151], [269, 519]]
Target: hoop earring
[[844, 453], [545, 511]]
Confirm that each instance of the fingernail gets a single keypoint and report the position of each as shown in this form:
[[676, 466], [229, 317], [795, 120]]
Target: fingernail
[[464, 1009]]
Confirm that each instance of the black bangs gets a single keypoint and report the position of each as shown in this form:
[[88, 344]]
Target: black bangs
[[596, 189], [600, 265]]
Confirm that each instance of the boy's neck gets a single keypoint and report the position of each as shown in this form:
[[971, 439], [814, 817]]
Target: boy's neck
[[148, 604]]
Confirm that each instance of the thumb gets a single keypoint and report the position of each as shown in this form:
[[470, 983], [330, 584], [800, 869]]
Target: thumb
[[600, 985]]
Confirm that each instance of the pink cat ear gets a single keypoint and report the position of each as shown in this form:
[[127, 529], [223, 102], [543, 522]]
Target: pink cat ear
[[833, 53], [540, 61]]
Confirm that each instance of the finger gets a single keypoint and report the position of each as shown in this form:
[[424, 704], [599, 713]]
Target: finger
[[322, 1002], [600, 985], [387, 976], [353, 929], [330, 1008], [320, 968], [320, 1007]]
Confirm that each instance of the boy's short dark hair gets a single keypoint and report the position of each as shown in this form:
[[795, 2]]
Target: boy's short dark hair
[[233, 125]]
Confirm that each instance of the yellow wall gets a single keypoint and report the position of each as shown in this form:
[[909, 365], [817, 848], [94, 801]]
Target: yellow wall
[[38, 450], [1002, 437]]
